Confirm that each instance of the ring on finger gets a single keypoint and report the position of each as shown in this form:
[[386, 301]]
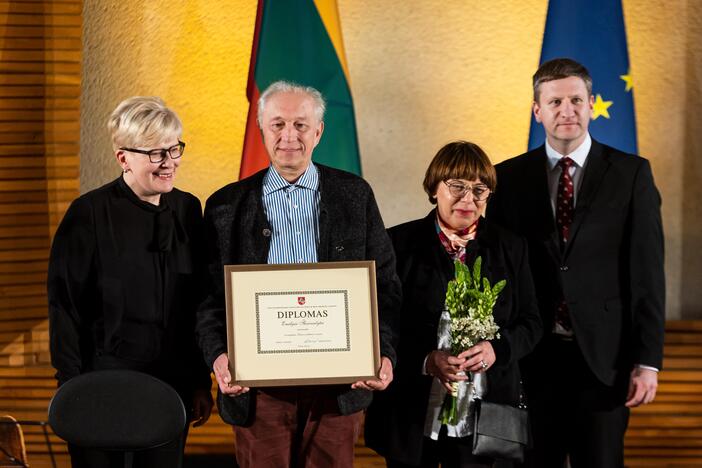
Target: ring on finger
[[483, 364]]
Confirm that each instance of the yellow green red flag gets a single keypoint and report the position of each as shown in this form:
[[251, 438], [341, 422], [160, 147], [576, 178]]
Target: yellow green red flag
[[300, 41]]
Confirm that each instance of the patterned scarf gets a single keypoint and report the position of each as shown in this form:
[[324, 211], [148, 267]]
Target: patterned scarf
[[455, 243]]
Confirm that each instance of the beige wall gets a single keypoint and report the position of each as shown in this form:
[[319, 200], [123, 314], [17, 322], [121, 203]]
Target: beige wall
[[422, 74]]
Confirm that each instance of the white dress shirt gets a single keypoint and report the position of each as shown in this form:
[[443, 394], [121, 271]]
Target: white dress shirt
[[293, 212], [579, 157]]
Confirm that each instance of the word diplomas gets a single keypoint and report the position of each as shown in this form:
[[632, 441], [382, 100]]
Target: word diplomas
[[287, 314], [302, 321]]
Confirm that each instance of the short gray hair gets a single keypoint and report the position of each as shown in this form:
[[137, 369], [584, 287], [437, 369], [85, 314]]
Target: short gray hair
[[289, 87], [142, 120]]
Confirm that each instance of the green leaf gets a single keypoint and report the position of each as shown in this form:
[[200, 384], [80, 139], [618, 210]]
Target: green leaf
[[476, 271], [461, 271], [497, 289]]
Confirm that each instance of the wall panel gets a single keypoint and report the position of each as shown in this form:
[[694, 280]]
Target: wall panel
[[40, 76]]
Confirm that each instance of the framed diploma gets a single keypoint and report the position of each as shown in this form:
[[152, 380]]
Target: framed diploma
[[302, 324]]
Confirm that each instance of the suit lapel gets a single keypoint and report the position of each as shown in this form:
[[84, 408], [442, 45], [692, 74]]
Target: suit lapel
[[324, 227], [481, 246], [595, 169], [255, 244], [436, 266], [435, 256], [537, 174]]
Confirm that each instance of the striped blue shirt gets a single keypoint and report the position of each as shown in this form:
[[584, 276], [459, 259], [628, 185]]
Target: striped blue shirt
[[293, 212]]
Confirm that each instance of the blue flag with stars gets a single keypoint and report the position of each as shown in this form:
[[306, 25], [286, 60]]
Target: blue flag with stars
[[592, 33]]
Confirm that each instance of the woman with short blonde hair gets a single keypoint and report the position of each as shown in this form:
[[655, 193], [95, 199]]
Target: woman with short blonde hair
[[125, 274]]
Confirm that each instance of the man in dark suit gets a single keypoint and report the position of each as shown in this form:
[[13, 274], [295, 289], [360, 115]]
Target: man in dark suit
[[295, 212], [591, 215]]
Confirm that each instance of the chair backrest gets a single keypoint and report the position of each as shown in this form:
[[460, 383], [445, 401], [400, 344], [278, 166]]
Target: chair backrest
[[12, 449], [117, 410]]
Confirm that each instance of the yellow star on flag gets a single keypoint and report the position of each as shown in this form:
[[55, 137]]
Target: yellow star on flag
[[600, 107], [628, 80]]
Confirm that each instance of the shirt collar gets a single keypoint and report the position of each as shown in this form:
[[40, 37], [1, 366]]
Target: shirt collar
[[273, 181], [579, 155]]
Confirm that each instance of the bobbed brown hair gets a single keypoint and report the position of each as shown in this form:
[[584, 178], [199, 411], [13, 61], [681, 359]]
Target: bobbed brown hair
[[459, 160]]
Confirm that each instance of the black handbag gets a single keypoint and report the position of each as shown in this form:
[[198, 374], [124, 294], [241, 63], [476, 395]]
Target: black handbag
[[500, 431]]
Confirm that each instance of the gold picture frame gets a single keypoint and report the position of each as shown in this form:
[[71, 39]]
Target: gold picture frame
[[302, 324]]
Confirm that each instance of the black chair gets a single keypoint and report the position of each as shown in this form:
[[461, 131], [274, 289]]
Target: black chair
[[117, 410]]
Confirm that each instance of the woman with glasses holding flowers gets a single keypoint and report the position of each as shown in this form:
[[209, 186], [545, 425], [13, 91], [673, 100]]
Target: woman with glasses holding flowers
[[125, 274], [405, 424]]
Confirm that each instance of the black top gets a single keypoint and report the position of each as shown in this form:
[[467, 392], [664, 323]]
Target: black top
[[394, 424], [125, 279]]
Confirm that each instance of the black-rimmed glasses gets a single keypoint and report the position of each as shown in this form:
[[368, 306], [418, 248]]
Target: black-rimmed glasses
[[480, 192], [159, 155]]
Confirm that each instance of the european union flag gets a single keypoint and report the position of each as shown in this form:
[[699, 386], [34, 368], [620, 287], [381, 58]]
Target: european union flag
[[592, 33]]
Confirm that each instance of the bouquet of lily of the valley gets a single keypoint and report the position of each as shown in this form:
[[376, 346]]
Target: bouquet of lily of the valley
[[469, 301]]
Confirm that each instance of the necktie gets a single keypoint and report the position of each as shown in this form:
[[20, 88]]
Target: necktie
[[564, 200], [564, 217]]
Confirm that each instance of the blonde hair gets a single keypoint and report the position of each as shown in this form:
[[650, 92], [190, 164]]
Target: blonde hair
[[142, 120]]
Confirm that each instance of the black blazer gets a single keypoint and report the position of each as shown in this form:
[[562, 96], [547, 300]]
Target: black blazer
[[611, 270], [395, 420], [350, 228]]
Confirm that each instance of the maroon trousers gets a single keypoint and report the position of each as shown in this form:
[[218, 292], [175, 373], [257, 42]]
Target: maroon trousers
[[297, 427]]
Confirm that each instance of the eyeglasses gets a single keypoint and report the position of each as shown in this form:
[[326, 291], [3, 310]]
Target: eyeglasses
[[480, 192], [159, 155]]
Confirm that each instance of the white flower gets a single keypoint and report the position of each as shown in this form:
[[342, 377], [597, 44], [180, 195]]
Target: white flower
[[470, 300]]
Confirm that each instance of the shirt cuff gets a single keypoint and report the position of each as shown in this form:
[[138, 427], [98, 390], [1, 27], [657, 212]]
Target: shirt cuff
[[642, 366]]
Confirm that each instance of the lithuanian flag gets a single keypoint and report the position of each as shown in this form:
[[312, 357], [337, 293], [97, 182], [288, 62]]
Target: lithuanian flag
[[300, 41]]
